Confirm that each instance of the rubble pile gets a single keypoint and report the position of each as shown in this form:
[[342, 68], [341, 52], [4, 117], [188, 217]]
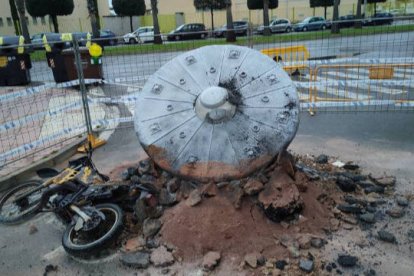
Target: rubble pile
[[273, 222]]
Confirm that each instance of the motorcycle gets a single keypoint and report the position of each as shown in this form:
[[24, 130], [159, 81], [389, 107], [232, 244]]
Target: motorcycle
[[81, 198]]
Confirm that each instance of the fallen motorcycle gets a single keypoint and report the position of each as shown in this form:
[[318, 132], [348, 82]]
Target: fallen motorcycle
[[81, 198]]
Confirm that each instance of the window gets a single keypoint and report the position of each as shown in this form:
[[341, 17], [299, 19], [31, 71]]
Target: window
[[34, 19], [1, 22], [42, 19], [9, 21]]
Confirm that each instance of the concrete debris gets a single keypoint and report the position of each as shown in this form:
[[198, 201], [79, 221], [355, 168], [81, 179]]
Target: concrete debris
[[350, 166], [345, 184], [304, 241], [166, 198], [350, 208], [368, 218], [317, 242], [140, 260], [402, 201], [144, 166], [211, 260], [173, 185], [322, 159], [251, 259], [386, 236], [151, 227], [253, 187], [161, 257], [280, 198], [306, 265], [194, 198], [384, 181], [338, 164], [134, 244], [395, 212], [280, 264], [209, 190], [346, 260]]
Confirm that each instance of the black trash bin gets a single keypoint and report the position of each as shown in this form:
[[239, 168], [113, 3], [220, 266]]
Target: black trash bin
[[15, 64], [61, 59]]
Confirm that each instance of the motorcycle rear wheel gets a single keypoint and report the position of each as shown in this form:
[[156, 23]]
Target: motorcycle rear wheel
[[25, 209], [84, 245]]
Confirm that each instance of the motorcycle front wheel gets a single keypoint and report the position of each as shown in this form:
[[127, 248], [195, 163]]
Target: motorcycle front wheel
[[14, 212], [86, 244]]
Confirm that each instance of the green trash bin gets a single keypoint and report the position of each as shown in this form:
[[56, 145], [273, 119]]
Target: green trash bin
[[61, 59], [15, 63]]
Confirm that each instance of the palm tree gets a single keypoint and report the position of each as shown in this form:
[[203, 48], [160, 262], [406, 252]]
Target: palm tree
[[157, 35], [15, 17], [230, 35], [21, 9], [93, 12]]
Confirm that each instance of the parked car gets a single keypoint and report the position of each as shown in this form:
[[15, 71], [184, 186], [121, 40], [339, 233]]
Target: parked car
[[140, 35], [311, 24], [37, 40], [188, 31], [347, 21], [240, 28], [109, 38], [277, 26], [384, 18]]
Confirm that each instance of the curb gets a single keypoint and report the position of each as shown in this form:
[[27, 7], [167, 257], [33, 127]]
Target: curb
[[49, 161]]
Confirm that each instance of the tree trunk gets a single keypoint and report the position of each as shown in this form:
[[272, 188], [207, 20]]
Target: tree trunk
[[55, 23], [266, 30], [358, 23], [98, 21], [325, 11], [230, 35], [212, 18], [335, 25], [130, 24], [92, 16], [375, 8], [21, 9], [157, 35], [15, 17]]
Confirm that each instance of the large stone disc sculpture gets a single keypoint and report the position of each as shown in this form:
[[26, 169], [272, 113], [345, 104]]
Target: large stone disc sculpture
[[217, 113]]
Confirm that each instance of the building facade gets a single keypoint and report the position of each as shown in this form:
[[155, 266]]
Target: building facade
[[77, 21], [175, 12]]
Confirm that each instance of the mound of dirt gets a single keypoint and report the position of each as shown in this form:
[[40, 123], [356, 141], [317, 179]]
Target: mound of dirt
[[218, 225]]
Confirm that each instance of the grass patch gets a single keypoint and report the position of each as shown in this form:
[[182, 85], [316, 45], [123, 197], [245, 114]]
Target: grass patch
[[274, 39]]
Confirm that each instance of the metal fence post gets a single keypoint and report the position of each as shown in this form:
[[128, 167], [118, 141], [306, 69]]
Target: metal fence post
[[92, 141]]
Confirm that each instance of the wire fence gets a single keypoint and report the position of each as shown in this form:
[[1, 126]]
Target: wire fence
[[42, 103]]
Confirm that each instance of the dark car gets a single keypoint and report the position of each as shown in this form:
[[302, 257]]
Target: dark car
[[311, 24], [188, 31], [240, 28], [384, 18], [109, 38], [347, 21]]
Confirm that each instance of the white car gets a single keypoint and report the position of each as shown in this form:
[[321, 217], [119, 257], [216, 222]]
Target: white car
[[140, 35]]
